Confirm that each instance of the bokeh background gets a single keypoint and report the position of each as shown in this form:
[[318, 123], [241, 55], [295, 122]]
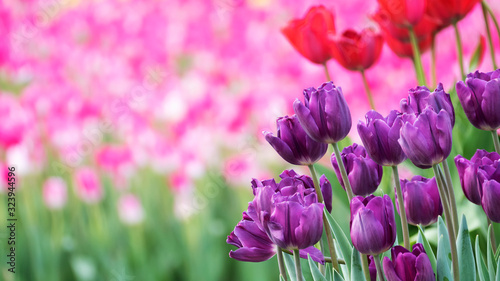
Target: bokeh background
[[135, 127]]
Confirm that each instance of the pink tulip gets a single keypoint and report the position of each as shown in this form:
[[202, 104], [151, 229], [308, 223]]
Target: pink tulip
[[88, 185], [130, 209], [55, 193]]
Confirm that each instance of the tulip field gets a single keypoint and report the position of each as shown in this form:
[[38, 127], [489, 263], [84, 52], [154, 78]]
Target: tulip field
[[225, 140]]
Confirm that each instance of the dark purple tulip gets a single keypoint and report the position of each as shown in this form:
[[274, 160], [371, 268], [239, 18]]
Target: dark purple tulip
[[421, 199], [372, 268], [426, 140], [380, 137], [480, 98], [373, 227], [421, 97], [468, 171], [324, 115], [491, 197], [408, 266], [363, 173], [293, 144]]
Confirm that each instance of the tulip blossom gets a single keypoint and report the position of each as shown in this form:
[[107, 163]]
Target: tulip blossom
[[88, 185], [408, 266], [309, 35], [373, 226], [55, 193], [447, 12], [363, 173], [324, 115], [403, 12], [130, 209], [421, 200], [293, 144]]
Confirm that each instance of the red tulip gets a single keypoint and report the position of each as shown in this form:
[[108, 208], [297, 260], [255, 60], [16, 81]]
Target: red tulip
[[309, 35], [357, 51], [425, 27], [404, 49], [404, 12], [450, 11]]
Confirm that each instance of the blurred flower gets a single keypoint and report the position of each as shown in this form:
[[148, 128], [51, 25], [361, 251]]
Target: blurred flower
[[324, 115], [13, 125], [421, 200], [448, 12], [88, 185], [309, 35], [408, 266], [480, 98], [403, 12], [373, 226], [380, 137], [426, 139], [293, 144], [130, 209], [54, 193], [357, 51], [363, 173], [117, 161], [404, 48]]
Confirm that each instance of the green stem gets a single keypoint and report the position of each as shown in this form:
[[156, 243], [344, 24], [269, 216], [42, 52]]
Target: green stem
[[327, 259], [488, 31], [328, 231], [492, 15], [417, 60], [364, 266], [402, 211], [433, 61], [451, 195], [343, 172], [281, 263], [368, 91], [327, 73], [492, 235], [495, 141], [380, 273], [459, 50], [298, 269], [449, 224]]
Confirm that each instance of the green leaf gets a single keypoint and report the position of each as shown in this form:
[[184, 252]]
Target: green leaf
[[489, 255], [427, 247], [481, 266], [443, 260], [290, 266], [467, 267], [356, 268], [329, 269], [442, 230], [342, 240], [337, 276], [498, 271], [478, 55], [316, 274], [497, 253]]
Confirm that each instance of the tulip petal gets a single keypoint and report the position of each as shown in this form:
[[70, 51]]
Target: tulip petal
[[390, 272]]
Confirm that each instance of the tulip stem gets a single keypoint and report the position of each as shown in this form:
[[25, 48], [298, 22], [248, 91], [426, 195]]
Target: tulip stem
[[368, 91], [365, 267], [281, 263], [402, 210], [298, 269], [492, 15], [417, 60], [488, 31], [328, 231], [380, 273], [433, 61], [449, 224], [492, 236], [327, 73], [327, 259], [451, 195], [343, 172], [459, 50], [495, 141]]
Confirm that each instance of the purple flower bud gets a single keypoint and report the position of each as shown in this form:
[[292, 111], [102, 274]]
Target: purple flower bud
[[491, 197], [293, 144], [482, 166], [363, 173], [421, 97], [480, 98], [372, 268], [426, 139], [373, 226], [421, 199], [324, 115], [408, 266], [380, 137]]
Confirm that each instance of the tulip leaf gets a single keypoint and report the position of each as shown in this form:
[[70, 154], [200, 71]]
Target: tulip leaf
[[316, 274], [498, 271], [329, 269], [356, 268], [342, 240], [427, 247], [481, 266], [466, 261], [442, 230], [497, 253], [290, 266], [489, 254], [443, 260], [337, 276]]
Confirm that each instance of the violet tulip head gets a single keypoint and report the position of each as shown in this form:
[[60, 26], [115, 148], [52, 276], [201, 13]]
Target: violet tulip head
[[380, 137], [373, 226], [426, 139], [421, 97], [480, 98], [324, 115], [490, 199], [293, 144], [421, 200], [408, 266], [363, 173]]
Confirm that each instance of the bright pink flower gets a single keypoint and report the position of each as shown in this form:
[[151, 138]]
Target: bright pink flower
[[88, 185], [130, 209]]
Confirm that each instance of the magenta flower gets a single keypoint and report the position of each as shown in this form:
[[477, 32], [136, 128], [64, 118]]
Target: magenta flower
[[421, 200], [88, 186], [491, 197], [408, 266], [55, 193]]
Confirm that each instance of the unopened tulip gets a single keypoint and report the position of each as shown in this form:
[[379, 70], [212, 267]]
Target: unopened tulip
[[421, 200], [408, 266]]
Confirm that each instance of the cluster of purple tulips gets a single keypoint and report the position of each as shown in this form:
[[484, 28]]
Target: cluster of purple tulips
[[289, 216]]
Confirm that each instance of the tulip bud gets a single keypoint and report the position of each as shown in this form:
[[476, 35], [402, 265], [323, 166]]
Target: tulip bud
[[421, 199], [408, 266], [54, 193], [491, 197]]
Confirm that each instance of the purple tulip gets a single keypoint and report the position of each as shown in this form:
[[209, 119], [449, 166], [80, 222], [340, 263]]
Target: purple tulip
[[373, 226], [421, 199], [363, 173], [372, 268], [421, 97], [480, 98], [380, 137], [468, 171], [293, 144], [491, 197], [408, 266], [426, 139], [324, 115]]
